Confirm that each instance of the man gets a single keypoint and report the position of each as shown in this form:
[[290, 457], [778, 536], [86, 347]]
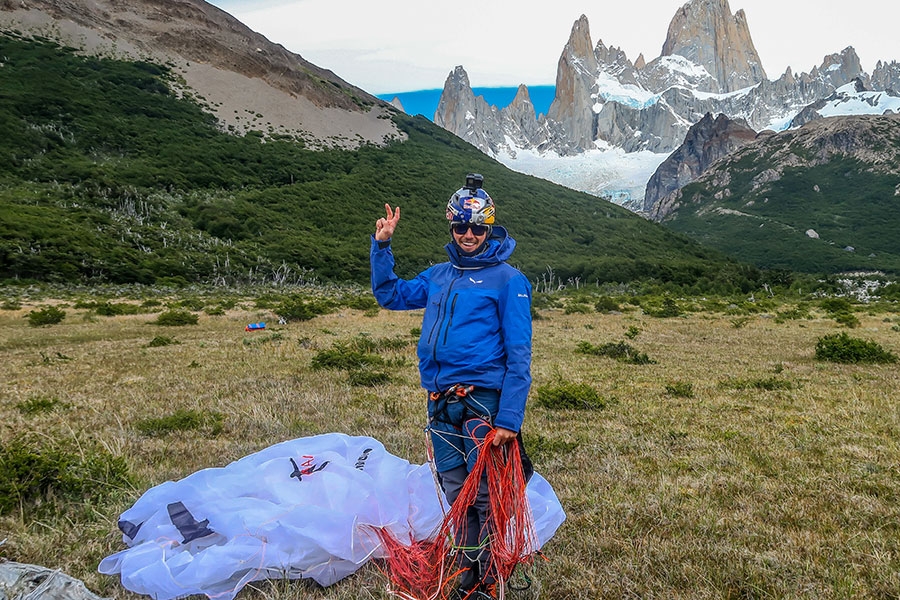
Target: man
[[474, 352]]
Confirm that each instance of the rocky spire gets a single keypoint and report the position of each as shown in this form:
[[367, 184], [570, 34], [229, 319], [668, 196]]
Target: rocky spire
[[841, 69], [519, 123], [886, 76], [576, 74], [707, 34], [459, 111]]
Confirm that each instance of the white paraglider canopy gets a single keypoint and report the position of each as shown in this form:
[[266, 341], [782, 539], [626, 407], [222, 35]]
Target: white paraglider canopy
[[302, 508]]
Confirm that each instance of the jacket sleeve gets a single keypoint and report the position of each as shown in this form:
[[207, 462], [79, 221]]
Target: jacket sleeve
[[515, 315], [390, 291]]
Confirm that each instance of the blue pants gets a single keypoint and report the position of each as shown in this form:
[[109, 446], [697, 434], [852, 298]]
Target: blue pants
[[453, 421]]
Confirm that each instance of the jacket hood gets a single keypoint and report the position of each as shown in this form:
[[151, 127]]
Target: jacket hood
[[499, 248]]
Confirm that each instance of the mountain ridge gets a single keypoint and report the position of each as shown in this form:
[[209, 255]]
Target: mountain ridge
[[604, 100], [227, 64]]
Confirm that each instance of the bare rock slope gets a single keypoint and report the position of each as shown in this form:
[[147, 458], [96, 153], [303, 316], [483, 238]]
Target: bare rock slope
[[248, 81]]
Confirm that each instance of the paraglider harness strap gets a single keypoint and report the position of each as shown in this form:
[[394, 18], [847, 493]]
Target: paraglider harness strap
[[456, 393]]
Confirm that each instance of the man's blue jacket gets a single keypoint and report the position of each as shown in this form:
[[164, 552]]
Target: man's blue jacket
[[477, 324]]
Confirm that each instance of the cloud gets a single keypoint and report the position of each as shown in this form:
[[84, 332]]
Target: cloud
[[403, 45]]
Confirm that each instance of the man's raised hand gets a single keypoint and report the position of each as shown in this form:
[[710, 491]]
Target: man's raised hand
[[384, 227]]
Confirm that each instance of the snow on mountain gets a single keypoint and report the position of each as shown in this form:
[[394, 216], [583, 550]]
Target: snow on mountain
[[610, 89], [612, 122], [606, 171], [850, 102]]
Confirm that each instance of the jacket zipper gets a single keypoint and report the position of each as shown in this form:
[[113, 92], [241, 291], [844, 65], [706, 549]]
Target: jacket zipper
[[438, 327], [450, 318]]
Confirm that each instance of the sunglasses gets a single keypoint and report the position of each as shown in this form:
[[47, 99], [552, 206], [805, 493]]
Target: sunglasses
[[461, 228]]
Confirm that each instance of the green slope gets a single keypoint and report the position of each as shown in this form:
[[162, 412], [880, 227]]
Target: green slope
[[851, 204], [107, 175]]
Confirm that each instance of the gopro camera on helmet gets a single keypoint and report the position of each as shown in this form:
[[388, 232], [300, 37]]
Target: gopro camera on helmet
[[474, 181]]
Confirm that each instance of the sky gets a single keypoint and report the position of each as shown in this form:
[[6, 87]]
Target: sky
[[388, 46]]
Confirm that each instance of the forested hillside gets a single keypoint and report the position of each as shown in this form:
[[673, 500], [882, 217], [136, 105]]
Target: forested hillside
[[110, 171]]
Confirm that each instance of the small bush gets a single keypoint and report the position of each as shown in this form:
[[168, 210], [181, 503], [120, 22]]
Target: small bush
[[836, 305], [541, 449], [363, 303], [739, 322], [577, 308], [847, 319], [35, 477], [182, 420], [366, 377], [364, 343], [680, 389], [842, 348], [263, 339], [669, 308], [792, 314], [112, 309], [10, 304], [39, 404], [606, 304], [176, 318], [619, 351], [162, 340], [343, 357], [46, 316], [298, 309], [770, 384], [567, 395], [632, 332]]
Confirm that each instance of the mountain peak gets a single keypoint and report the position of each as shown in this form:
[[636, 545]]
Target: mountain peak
[[707, 34]]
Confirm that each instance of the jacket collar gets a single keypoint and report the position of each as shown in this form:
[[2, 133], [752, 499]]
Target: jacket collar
[[498, 248]]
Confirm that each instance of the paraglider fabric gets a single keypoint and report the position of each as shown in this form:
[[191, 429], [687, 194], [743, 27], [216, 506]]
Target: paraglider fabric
[[302, 508]]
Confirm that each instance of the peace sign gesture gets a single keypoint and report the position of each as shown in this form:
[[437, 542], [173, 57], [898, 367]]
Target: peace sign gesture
[[384, 227]]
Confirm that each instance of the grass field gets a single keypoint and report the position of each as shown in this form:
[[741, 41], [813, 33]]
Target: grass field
[[732, 464]]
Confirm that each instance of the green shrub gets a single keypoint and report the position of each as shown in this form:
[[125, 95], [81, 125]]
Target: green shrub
[[49, 315], [739, 322], [39, 404], [366, 377], [37, 475], [568, 395], [299, 309], [577, 308], [680, 389], [847, 319], [767, 383], [798, 312], [541, 448], [263, 339], [606, 304], [182, 420], [619, 351], [666, 309], [112, 309], [364, 343], [10, 304], [162, 340], [632, 332], [176, 318], [841, 348], [836, 305], [361, 302], [343, 357]]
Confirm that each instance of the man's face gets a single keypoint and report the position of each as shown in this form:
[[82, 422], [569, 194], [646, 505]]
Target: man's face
[[469, 237]]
